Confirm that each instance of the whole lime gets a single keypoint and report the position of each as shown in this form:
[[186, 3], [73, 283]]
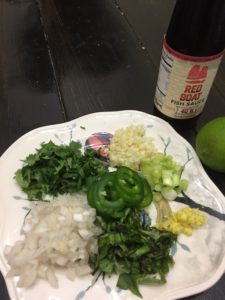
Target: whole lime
[[210, 144]]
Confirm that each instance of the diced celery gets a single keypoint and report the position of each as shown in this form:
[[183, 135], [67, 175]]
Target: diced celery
[[169, 193], [175, 180], [167, 177], [167, 181], [183, 184], [163, 172], [158, 187], [156, 172]]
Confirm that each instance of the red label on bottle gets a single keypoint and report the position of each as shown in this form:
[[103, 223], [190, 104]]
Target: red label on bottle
[[184, 83], [197, 74]]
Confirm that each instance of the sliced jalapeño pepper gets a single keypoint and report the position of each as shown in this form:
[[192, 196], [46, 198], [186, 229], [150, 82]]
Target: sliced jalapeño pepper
[[115, 191], [90, 194], [100, 197], [129, 186]]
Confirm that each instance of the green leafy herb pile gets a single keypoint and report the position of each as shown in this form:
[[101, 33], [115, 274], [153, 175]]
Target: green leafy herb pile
[[130, 247], [58, 169]]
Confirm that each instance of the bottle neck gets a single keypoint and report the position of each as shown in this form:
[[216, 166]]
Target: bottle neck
[[197, 27]]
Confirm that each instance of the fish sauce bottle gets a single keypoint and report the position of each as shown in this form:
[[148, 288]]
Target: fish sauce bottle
[[192, 51]]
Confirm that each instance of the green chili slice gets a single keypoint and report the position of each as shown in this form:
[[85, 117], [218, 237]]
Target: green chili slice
[[100, 197], [129, 186]]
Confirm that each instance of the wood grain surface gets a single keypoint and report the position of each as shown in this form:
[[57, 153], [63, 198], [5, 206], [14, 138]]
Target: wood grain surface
[[63, 59]]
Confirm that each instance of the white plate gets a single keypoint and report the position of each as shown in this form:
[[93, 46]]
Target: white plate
[[199, 259]]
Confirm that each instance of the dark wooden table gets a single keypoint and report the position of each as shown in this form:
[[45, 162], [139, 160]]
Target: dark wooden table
[[63, 59]]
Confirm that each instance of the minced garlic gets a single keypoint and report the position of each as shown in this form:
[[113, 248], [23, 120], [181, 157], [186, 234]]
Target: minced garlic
[[129, 145], [183, 221]]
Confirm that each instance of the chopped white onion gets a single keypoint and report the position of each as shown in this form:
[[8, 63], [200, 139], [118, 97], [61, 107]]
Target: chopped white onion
[[61, 234]]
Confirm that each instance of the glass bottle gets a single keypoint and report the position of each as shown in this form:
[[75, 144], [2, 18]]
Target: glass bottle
[[192, 51]]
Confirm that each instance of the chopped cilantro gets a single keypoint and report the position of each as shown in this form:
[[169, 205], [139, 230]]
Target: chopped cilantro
[[58, 169]]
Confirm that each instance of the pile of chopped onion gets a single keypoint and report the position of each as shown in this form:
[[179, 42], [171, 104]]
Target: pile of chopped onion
[[61, 235]]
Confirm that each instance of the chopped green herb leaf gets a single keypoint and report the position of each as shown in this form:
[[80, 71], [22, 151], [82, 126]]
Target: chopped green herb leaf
[[137, 252], [58, 169]]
